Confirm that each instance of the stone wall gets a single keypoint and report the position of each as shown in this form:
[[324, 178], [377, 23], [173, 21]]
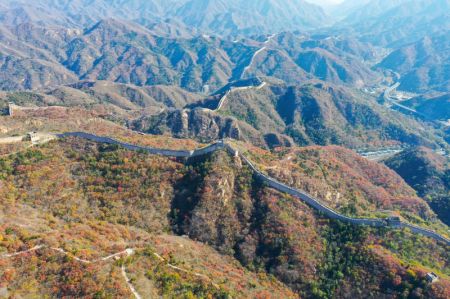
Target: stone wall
[[426, 232], [308, 199]]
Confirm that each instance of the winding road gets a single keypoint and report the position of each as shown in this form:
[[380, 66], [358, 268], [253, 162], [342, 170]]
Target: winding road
[[387, 97], [379, 153]]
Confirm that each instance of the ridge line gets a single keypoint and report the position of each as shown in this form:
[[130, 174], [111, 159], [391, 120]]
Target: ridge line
[[391, 222]]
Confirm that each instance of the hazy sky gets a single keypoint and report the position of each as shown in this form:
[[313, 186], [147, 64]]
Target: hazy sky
[[325, 2]]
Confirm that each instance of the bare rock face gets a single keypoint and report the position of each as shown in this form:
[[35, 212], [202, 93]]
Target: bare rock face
[[201, 124], [178, 122], [204, 124]]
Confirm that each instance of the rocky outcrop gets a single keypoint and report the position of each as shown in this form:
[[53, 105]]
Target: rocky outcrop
[[201, 124]]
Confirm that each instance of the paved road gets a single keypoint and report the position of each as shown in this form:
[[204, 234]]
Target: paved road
[[388, 98], [379, 154]]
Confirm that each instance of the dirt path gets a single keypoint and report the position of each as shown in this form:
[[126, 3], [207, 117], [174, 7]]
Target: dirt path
[[126, 252], [128, 281]]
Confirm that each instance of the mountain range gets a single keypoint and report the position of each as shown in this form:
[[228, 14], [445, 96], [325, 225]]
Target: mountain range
[[383, 22], [124, 52], [394, 23], [207, 226], [218, 16], [171, 50], [283, 115], [274, 115], [224, 149]]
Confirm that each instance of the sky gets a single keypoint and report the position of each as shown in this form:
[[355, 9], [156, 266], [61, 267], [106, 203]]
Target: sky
[[325, 2]]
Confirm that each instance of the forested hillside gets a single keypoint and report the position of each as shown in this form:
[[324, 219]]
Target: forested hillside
[[429, 174], [92, 199], [224, 149]]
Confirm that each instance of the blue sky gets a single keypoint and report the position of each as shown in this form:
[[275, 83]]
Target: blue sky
[[325, 2]]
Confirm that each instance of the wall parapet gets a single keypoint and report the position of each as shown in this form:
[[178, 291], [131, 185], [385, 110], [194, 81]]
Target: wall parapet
[[271, 182]]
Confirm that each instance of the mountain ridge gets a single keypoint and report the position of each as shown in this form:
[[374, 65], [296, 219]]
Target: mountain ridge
[[223, 17]]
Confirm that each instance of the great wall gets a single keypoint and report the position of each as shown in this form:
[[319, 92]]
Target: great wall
[[305, 197], [234, 89], [270, 182]]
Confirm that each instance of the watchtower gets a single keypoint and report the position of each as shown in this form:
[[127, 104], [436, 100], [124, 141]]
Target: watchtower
[[431, 277], [11, 109], [393, 221]]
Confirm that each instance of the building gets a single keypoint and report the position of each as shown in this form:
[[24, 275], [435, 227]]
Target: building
[[431, 277], [11, 107]]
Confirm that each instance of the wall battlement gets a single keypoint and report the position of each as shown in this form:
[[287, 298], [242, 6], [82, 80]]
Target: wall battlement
[[305, 197]]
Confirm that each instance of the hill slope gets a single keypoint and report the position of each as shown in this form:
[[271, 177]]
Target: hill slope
[[296, 58], [429, 174], [250, 17], [309, 114], [121, 102], [108, 198], [125, 52], [423, 65], [435, 107]]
